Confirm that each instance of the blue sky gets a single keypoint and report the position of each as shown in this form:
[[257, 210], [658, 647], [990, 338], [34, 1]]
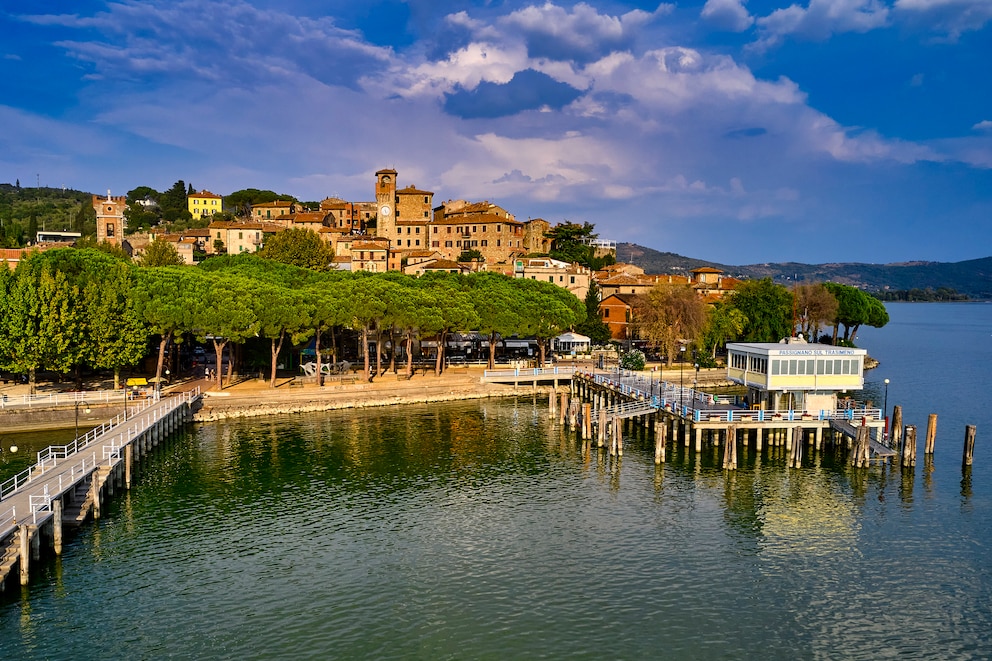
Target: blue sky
[[738, 132]]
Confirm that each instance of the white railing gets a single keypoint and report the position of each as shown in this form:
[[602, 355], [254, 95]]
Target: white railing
[[62, 398], [50, 456], [690, 403], [530, 372]]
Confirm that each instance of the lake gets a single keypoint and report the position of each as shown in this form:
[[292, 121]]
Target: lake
[[479, 530]]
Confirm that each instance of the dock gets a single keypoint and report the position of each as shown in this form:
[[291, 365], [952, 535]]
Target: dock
[[70, 482]]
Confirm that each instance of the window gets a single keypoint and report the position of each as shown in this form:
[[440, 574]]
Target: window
[[775, 364], [449, 229], [551, 278], [434, 230], [571, 280], [606, 313], [497, 243], [425, 215], [485, 243], [416, 242], [425, 202], [447, 244], [418, 230], [408, 243], [499, 229], [435, 244], [240, 236], [110, 229]]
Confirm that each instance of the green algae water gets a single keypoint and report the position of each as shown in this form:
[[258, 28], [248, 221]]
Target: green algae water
[[480, 530]]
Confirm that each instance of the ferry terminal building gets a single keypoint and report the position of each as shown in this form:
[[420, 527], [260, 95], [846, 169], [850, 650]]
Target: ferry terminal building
[[794, 375]]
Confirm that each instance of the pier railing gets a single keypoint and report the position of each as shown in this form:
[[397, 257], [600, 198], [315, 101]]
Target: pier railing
[[530, 372], [705, 407], [63, 398], [53, 454]]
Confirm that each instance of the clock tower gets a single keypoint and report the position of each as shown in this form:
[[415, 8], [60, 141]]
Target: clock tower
[[385, 202]]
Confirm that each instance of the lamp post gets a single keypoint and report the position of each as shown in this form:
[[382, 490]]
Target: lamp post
[[885, 409], [125, 402], [85, 410], [681, 377]]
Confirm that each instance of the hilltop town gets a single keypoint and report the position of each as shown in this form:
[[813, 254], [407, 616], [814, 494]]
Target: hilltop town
[[402, 229]]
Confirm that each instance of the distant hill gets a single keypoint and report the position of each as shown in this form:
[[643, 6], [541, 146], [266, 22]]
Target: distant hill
[[972, 277]]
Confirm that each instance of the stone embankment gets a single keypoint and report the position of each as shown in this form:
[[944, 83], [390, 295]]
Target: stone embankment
[[256, 398]]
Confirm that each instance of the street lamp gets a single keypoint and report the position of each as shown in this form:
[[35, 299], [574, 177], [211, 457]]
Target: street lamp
[[85, 410], [681, 377], [885, 409], [125, 402]]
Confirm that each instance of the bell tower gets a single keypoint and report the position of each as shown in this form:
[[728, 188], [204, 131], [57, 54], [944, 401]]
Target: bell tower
[[385, 202], [110, 221]]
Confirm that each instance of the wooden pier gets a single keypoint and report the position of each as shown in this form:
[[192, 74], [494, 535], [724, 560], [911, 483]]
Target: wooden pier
[[70, 482], [693, 417]]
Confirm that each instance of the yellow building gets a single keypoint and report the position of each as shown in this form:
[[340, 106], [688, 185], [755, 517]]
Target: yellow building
[[204, 203]]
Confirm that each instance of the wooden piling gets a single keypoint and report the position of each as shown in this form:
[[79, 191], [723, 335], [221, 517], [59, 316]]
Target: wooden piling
[[57, 525], [601, 429], [586, 420], [660, 430], [128, 459], [551, 405], [908, 455], [969, 444], [931, 433], [730, 448], [25, 553], [896, 427], [796, 455]]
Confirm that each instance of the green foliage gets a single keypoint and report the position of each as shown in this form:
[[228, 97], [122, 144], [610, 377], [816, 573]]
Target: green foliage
[[469, 255], [161, 253], [173, 203], [724, 323], [632, 360], [767, 307], [593, 327], [299, 247], [23, 211], [240, 202], [854, 309], [928, 294], [568, 242]]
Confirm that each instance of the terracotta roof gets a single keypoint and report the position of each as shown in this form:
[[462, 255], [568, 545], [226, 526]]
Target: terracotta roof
[[413, 190], [205, 193], [440, 264], [477, 220], [706, 269], [629, 299], [367, 245], [277, 203]]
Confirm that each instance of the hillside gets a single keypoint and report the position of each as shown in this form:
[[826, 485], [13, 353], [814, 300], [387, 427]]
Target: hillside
[[972, 277]]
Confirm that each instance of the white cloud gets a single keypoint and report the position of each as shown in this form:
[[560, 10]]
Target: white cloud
[[820, 19], [730, 15], [952, 17], [984, 125]]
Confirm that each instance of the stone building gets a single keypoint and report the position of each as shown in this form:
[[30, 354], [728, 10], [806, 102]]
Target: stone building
[[110, 221]]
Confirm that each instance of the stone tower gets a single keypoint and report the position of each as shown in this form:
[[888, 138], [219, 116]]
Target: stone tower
[[110, 218], [385, 200]]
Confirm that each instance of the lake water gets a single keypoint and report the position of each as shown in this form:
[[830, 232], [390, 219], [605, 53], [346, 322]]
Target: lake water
[[478, 530]]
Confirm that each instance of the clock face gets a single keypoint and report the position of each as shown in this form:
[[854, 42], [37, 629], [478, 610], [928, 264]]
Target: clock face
[[385, 211]]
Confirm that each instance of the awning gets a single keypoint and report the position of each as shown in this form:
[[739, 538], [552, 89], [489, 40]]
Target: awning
[[137, 381]]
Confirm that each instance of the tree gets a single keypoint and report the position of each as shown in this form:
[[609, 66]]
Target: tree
[[767, 308], [166, 299], [594, 327], [815, 305], [497, 303], [568, 242], [225, 314], [469, 255], [173, 203], [547, 311], [299, 247], [669, 316], [723, 323], [854, 308], [282, 312], [116, 335], [161, 253]]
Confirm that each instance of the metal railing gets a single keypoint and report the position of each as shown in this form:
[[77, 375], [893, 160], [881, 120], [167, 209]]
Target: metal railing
[[62, 398], [50, 456], [530, 371], [690, 403]]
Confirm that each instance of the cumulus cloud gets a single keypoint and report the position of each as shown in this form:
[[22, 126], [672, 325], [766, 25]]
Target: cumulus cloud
[[952, 17], [730, 15], [820, 19], [230, 41], [984, 125]]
